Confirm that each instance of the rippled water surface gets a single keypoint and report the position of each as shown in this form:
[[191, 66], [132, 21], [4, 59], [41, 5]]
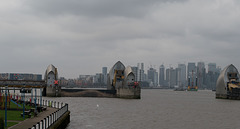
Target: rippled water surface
[[157, 109]]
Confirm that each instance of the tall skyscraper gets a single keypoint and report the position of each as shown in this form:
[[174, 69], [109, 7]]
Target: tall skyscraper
[[212, 67], [104, 74], [168, 77], [104, 70], [135, 72], [161, 75], [212, 76], [201, 75], [191, 74], [182, 75], [173, 77], [191, 68], [140, 72], [153, 76]]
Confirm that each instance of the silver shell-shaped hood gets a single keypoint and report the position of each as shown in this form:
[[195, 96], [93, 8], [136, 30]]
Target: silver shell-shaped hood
[[51, 68], [128, 71], [117, 66]]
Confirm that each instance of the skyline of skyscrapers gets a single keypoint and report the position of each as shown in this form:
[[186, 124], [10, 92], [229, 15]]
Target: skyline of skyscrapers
[[168, 77]]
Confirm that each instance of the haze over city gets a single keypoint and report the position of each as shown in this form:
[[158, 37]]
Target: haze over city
[[80, 37]]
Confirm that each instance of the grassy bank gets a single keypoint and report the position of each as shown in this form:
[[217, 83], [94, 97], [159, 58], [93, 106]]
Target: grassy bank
[[13, 115], [14, 106]]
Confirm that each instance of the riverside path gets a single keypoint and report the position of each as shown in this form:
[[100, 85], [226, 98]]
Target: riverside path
[[28, 123]]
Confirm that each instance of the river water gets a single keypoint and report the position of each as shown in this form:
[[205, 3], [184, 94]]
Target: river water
[[157, 109]]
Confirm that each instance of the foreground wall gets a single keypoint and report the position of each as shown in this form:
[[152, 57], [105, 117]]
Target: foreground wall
[[62, 122]]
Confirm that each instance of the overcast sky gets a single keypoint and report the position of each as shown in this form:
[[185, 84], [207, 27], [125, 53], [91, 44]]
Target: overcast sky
[[82, 36]]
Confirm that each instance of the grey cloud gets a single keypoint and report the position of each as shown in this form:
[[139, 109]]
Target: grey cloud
[[96, 8], [79, 37]]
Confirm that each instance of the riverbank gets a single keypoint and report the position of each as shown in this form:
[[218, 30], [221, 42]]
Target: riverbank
[[28, 123], [53, 115]]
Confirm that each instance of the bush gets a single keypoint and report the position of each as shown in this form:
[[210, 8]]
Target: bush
[[1, 123]]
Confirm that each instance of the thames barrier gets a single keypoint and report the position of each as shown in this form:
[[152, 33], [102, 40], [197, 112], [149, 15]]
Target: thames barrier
[[121, 83], [228, 85]]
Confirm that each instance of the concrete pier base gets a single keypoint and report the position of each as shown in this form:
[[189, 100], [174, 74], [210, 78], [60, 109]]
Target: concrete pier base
[[53, 92], [88, 93], [221, 96], [129, 93]]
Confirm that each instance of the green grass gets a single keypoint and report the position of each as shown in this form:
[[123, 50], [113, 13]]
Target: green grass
[[14, 106], [12, 115]]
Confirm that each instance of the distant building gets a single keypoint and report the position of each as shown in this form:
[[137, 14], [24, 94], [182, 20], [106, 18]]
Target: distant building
[[140, 76], [201, 75], [104, 74], [162, 75], [191, 74], [104, 70], [98, 79], [171, 77], [85, 80], [135, 72], [212, 67], [182, 75], [155, 79], [168, 77], [20, 76], [191, 69], [212, 76], [63, 82], [152, 76], [144, 77]]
